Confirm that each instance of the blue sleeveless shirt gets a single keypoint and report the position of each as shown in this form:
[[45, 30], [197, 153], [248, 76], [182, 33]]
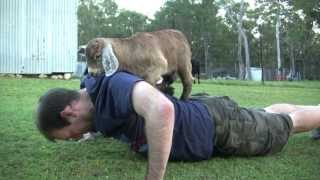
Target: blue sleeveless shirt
[[193, 134]]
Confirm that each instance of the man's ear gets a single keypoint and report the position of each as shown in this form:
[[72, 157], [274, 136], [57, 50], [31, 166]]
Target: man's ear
[[67, 112]]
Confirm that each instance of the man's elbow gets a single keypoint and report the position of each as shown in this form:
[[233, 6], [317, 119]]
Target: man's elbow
[[166, 111]]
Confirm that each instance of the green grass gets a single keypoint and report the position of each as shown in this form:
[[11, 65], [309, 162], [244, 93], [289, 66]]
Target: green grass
[[25, 154]]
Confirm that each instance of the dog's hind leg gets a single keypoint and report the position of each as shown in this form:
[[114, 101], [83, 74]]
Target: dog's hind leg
[[186, 79], [185, 74]]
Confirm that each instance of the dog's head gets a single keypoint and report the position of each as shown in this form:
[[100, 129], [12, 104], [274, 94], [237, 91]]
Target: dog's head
[[94, 56]]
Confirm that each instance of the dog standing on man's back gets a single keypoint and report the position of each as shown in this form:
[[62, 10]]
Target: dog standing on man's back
[[150, 55]]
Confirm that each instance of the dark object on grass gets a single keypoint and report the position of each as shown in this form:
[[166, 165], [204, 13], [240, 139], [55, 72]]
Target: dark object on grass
[[195, 71], [200, 94], [315, 134]]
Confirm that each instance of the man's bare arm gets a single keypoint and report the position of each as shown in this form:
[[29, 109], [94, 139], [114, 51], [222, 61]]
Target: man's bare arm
[[158, 112]]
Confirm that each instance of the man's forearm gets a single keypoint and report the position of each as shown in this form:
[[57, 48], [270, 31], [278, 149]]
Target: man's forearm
[[158, 113], [159, 134]]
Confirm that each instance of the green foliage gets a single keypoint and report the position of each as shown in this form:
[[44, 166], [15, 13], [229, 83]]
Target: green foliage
[[214, 38], [94, 18], [129, 22], [311, 8], [103, 19], [25, 154]]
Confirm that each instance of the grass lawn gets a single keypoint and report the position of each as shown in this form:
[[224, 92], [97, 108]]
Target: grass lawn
[[25, 154]]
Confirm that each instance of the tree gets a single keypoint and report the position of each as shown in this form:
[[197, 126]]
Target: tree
[[198, 21], [130, 22], [295, 31], [237, 19], [278, 40], [94, 18], [103, 19], [217, 40], [311, 10]]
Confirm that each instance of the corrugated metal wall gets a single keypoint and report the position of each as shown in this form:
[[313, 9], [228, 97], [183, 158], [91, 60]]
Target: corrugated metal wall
[[38, 36]]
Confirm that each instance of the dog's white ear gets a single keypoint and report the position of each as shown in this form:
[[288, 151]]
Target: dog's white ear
[[110, 62]]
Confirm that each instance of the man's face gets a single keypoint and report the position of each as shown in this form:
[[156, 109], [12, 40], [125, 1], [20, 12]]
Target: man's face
[[80, 115]]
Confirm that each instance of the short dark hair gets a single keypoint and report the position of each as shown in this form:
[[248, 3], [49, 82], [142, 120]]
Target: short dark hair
[[49, 107]]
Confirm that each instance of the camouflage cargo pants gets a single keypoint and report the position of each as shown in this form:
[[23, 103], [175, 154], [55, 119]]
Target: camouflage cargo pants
[[246, 132]]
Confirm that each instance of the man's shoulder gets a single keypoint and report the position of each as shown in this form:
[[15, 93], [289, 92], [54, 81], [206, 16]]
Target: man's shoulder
[[119, 82], [119, 77], [124, 76]]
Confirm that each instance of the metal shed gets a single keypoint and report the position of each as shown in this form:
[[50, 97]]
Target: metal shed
[[38, 36]]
